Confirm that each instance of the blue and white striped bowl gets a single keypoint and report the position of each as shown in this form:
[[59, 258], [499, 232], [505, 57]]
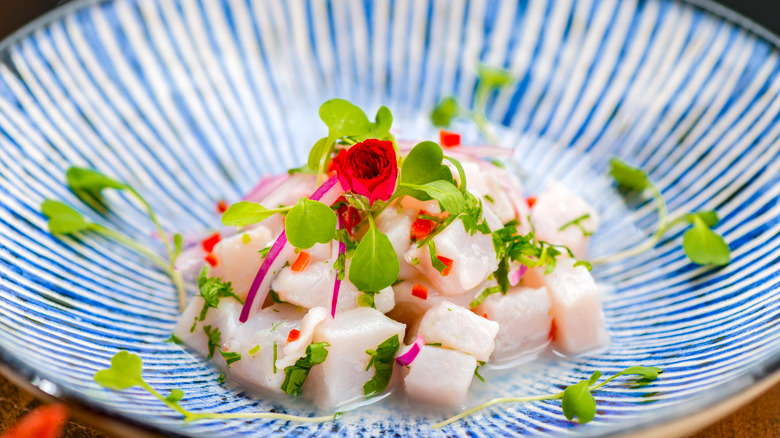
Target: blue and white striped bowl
[[193, 102]]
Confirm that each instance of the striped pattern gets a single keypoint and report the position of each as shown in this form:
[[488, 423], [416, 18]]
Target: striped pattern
[[193, 102]]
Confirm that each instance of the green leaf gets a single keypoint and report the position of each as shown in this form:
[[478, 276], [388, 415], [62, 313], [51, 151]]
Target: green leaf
[[318, 152], [461, 173], [178, 240], [382, 359], [705, 247], [214, 338], [343, 119], [631, 178], [450, 198], [245, 213], [494, 77], [230, 356], [90, 180], [212, 289], [444, 111], [594, 378], [579, 402], [374, 264], [310, 222], [296, 374], [649, 373], [422, 165], [710, 218], [383, 123], [175, 396], [63, 219], [125, 372]]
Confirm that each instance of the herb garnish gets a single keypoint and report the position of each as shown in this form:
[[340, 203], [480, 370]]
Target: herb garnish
[[578, 223], [702, 245], [212, 289], [214, 338], [295, 375], [577, 399], [382, 360], [88, 185], [126, 371], [230, 356]]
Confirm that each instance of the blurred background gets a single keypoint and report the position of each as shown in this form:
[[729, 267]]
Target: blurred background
[[761, 418]]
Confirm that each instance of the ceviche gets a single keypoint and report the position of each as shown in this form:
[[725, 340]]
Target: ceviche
[[384, 265]]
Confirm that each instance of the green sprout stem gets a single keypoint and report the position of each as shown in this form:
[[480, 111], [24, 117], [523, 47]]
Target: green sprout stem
[[497, 401], [664, 224]]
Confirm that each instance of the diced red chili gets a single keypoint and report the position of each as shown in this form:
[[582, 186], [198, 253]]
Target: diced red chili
[[449, 139], [293, 336], [301, 262], [447, 262], [484, 315], [350, 217], [42, 422], [421, 228], [420, 291], [209, 242], [222, 206], [210, 259], [531, 200]]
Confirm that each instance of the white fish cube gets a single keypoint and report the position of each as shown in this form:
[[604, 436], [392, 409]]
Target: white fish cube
[[237, 261], [190, 330], [557, 206], [576, 308], [339, 380], [460, 329], [265, 328], [396, 224], [524, 320], [440, 376], [473, 259]]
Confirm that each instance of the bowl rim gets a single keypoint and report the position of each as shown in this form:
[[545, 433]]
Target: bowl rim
[[763, 374]]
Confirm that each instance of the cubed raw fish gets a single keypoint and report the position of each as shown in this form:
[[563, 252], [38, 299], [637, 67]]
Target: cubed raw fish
[[524, 320], [190, 330], [440, 376], [339, 380], [313, 287], [396, 224], [576, 308], [460, 329], [473, 259], [557, 206], [238, 262], [264, 328]]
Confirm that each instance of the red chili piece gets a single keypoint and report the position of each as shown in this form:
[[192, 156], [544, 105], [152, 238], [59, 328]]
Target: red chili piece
[[449, 139], [301, 262], [293, 336], [222, 206], [209, 242], [448, 262], [421, 228], [42, 422], [210, 259], [531, 200], [350, 216], [420, 291]]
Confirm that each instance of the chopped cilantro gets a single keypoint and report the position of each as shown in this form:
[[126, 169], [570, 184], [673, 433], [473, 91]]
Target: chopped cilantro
[[382, 359], [230, 356], [296, 374]]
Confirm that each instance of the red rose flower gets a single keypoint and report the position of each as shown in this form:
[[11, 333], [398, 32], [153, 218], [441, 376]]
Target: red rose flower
[[368, 168]]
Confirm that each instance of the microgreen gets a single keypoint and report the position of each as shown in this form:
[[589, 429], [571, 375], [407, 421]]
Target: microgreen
[[246, 213], [423, 164], [576, 400], [578, 223], [382, 360], [212, 289], [295, 375], [310, 222], [450, 198], [445, 111], [375, 264], [701, 244], [88, 185], [126, 371], [705, 247], [480, 363]]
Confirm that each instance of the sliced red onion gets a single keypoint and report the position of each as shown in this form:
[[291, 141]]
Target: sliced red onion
[[264, 188], [517, 274], [327, 193], [407, 358]]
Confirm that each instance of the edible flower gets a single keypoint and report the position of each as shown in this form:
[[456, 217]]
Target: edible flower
[[368, 168]]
